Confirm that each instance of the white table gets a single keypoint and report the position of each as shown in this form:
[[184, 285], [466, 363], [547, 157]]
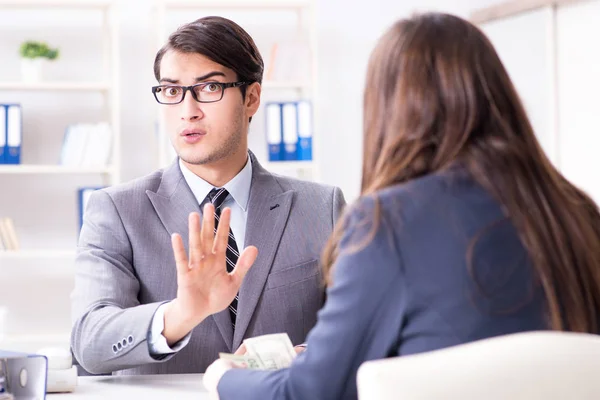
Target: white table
[[147, 387]]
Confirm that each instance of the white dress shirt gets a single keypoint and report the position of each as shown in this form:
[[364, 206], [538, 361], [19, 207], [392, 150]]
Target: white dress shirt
[[237, 201]]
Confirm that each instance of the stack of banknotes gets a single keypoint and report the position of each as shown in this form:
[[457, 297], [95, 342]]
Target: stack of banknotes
[[268, 352]]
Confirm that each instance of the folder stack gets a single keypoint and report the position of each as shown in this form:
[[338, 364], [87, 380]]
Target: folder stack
[[289, 131], [11, 135]]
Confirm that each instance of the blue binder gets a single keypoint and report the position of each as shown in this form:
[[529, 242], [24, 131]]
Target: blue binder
[[14, 134], [3, 133], [290, 131], [305, 130], [274, 125]]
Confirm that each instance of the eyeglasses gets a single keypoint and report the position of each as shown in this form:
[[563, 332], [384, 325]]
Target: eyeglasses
[[205, 92]]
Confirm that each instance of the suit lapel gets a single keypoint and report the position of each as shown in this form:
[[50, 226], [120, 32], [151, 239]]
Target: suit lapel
[[268, 211], [173, 202]]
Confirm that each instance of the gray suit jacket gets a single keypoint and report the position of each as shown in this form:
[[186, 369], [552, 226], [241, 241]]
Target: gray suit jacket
[[125, 269]]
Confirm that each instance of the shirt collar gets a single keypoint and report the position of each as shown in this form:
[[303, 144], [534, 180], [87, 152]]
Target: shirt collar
[[238, 187]]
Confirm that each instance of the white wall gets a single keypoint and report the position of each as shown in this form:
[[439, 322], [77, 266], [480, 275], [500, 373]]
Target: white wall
[[561, 101], [578, 91], [347, 35], [523, 46]]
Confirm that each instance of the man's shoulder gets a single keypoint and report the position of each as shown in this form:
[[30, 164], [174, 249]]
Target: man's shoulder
[[136, 187], [303, 186]]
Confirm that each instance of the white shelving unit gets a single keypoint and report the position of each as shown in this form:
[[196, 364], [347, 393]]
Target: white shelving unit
[[108, 86], [38, 266], [304, 12]]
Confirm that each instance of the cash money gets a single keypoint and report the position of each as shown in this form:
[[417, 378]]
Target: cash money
[[274, 351], [244, 361], [267, 352]]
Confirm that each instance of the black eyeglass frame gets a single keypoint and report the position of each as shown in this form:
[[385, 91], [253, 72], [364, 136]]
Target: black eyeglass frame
[[224, 85]]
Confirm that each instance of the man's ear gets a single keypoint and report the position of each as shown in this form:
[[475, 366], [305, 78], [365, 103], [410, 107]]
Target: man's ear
[[252, 101]]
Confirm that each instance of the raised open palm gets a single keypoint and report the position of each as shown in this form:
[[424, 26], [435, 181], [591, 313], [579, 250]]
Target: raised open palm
[[204, 286]]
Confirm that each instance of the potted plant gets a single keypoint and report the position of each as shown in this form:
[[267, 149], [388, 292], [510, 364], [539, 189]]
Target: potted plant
[[33, 56]]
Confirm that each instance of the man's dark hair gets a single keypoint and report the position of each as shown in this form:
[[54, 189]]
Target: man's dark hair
[[221, 40]]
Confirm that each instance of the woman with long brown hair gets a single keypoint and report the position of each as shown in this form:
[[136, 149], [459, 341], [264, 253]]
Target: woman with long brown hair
[[464, 230]]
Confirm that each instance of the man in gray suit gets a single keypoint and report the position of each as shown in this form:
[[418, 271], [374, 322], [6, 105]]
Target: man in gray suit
[[135, 308]]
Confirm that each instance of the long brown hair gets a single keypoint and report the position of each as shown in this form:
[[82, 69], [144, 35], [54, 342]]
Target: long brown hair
[[437, 94]]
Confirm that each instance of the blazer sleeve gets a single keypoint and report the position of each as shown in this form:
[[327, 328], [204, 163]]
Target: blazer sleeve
[[346, 331], [110, 327]]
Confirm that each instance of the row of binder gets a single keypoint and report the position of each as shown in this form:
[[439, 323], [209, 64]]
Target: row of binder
[[11, 129], [289, 131]]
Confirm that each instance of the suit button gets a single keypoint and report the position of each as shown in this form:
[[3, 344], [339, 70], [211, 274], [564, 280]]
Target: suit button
[[119, 346], [115, 350], [124, 342], [130, 339]]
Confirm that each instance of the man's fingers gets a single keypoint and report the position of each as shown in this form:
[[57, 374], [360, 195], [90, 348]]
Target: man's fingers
[[208, 227], [222, 236], [244, 263], [195, 240], [181, 260]]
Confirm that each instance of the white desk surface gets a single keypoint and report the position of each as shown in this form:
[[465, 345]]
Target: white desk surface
[[147, 387]]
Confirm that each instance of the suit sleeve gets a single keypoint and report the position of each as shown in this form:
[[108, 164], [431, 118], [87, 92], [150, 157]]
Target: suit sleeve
[[110, 328], [346, 331]]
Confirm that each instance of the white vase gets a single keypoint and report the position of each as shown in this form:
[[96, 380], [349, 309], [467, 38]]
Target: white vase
[[31, 69]]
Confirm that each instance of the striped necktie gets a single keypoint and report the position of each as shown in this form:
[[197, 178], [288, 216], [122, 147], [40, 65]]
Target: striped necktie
[[217, 196]]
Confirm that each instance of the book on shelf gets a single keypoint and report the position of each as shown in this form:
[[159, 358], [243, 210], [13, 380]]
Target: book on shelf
[[87, 145], [8, 235]]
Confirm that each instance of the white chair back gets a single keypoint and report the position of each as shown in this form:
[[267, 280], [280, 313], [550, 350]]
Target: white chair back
[[522, 366]]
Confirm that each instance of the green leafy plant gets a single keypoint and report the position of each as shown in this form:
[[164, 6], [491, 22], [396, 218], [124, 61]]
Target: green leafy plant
[[32, 49]]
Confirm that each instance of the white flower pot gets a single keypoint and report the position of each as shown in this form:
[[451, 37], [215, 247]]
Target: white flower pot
[[31, 69]]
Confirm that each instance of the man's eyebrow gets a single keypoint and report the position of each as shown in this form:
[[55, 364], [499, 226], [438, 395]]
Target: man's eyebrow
[[169, 80], [197, 79], [209, 75]]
